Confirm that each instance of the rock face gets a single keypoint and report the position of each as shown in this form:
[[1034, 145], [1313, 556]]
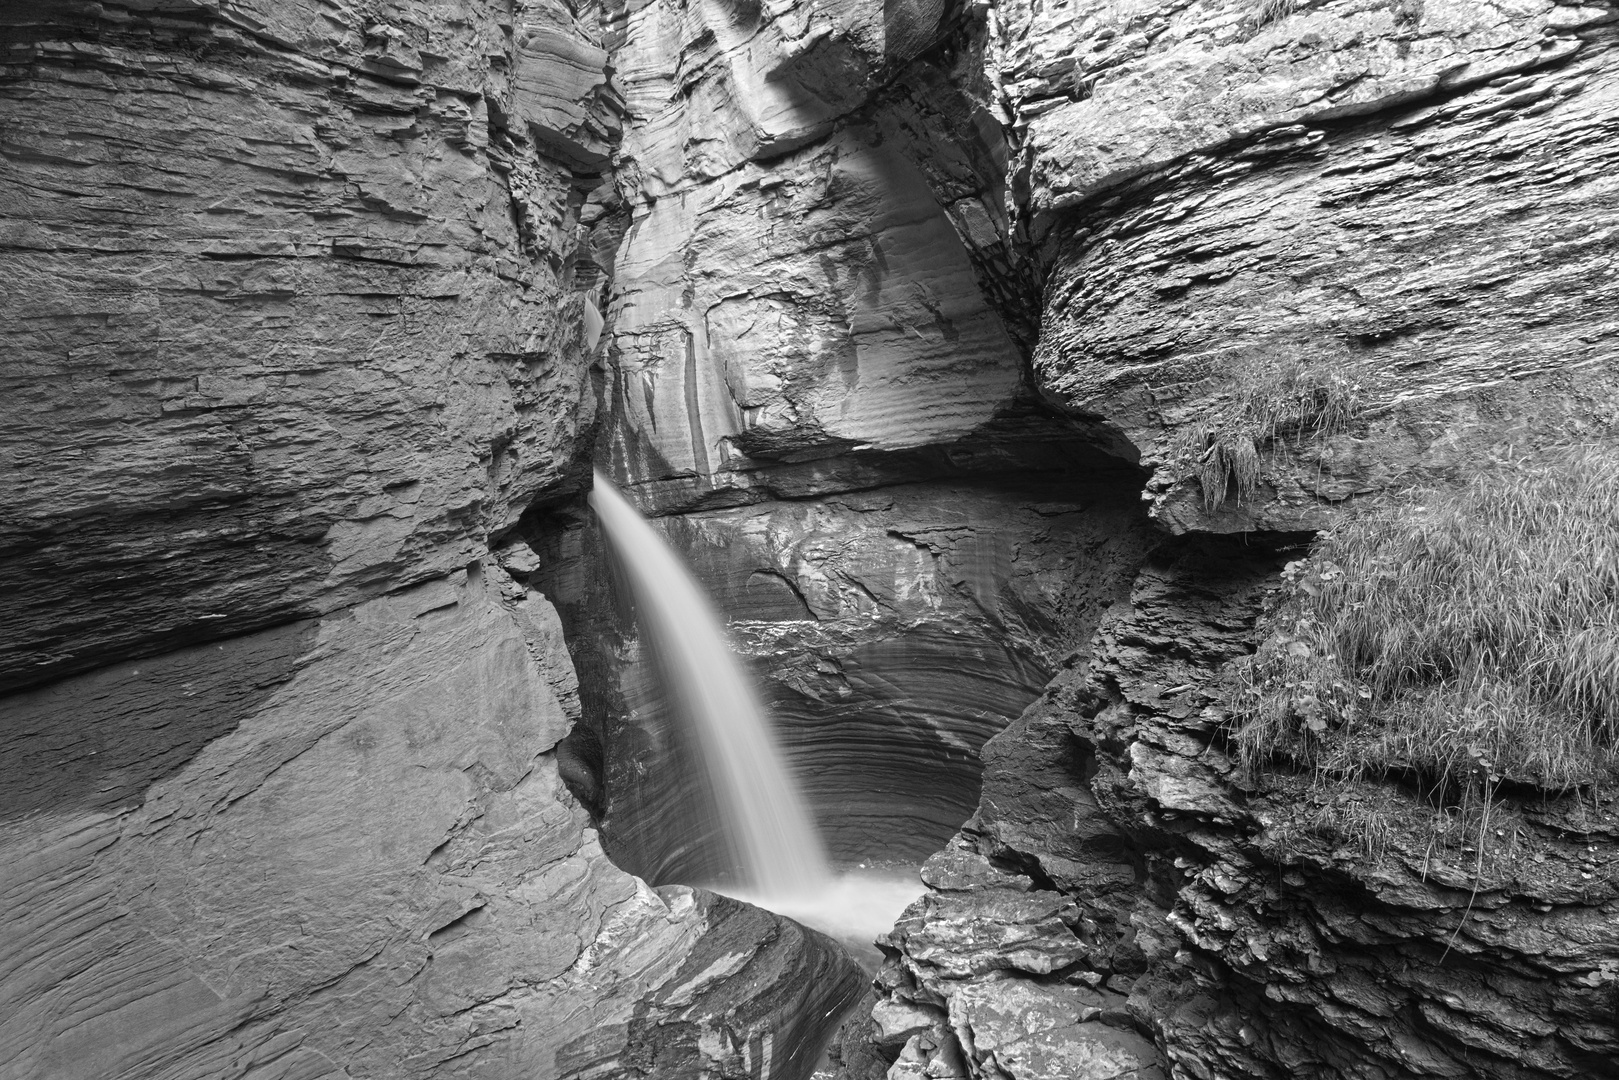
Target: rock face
[[1439, 259], [814, 297], [791, 287], [285, 318], [299, 302], [892, 632], [895, 313], [1288, 258], [1220, 71], [1337, 251], [1242, 926], [376, 871]]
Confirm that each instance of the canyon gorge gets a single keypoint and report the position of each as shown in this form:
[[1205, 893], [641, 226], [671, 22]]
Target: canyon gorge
[[992, 364]]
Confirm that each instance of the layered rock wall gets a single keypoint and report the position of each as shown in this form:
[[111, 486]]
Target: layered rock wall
[[288, 312], [376, 871], [892, 632], [1411, 294], [815, 297], [896, 311], [299, 301], [1439, 260]]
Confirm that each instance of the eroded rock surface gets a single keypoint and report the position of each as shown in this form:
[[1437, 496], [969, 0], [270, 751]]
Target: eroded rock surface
[[891, 305], [376, 872], [1442, 262], [892, 631], [816, 264], [286, 310], [1408, 206], [1112, 92], [814, 296], [299, 300], [1246, 928]]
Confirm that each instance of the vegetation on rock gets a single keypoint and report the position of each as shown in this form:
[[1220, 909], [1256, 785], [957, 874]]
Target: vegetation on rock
[[1269, 402], [1462, 638], [1271, 11]]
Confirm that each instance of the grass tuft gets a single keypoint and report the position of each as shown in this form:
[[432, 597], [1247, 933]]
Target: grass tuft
[[1270, 11], [1270, 402], [1467, 638]]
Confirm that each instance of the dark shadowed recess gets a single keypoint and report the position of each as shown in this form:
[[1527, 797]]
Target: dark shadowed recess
[[882, 716], [80, 594], [99, 741], [894, 770], [1025, 439]]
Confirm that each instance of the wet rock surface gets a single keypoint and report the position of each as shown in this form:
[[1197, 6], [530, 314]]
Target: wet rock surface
[[892, 632], [815, 298], [792, 287]]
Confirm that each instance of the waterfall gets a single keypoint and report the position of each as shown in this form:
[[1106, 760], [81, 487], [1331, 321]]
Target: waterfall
[[761, 809]]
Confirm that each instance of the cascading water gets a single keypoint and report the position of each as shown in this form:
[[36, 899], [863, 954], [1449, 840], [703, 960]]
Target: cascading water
[[761, 810], [763, 814]]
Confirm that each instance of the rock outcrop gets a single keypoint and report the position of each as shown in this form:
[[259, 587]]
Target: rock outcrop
[[1438, 261], [1249, 928], [890, 316], [1288, 258], [375, 871], [288, 316], [299, 301], [1341, 250]]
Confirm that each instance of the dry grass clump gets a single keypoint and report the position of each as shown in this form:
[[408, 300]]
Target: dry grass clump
[[1263, 13], [1227, 463], [1270, 402], [1268, 11], [1465, 640]]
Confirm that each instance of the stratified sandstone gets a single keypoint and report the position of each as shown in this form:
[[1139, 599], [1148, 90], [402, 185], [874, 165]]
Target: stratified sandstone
[[376, 871], [298, 302], [1446, 260], [794, 285], [284, 318]]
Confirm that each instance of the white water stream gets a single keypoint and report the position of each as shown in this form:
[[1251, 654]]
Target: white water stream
[[763, 813], [760, 806]]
